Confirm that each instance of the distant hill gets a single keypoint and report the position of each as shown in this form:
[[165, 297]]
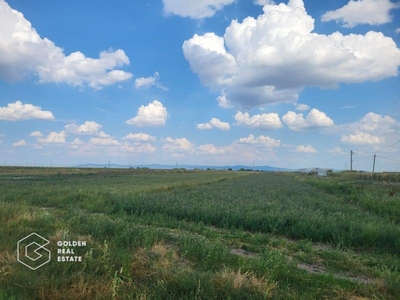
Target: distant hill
[[189, 167]]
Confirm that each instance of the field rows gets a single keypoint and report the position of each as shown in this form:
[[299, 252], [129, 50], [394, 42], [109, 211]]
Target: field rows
[[202, 235]]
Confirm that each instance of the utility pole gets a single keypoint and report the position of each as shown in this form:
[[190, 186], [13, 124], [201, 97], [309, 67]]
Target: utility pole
[[373, 167], [351, 160]]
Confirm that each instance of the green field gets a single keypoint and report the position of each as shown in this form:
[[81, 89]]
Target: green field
[[178, 234]]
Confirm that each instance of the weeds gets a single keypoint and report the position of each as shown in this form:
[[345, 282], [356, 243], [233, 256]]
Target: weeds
[[200, 235]]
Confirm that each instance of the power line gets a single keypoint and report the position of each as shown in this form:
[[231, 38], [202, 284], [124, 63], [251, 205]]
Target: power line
[[389, 159], [388, 147], [362, 154], [363, 158]]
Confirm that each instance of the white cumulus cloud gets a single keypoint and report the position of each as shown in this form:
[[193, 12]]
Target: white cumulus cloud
[[204, 126], [177, 145], [222, 101], [103, 140], [208, 58], [36, 134], [18, 111], [302, 107], [19, 143], [103, 135], [314, 119], [138, 148], [263, 2], [305, 149], [195, 9], [214, 123], [260, 141], [373, 122], [265, 121], [154, 114], [77, 141], [210, 149], [89, 127], [23, 53], [372, 12], [140, 137], [361, 138], [53, 138], [336, 151], [146, 82], [373, 132], [75, 144], [273, 57]]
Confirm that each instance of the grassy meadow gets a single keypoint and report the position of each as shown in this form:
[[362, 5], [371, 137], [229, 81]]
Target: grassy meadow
[[179, 234]]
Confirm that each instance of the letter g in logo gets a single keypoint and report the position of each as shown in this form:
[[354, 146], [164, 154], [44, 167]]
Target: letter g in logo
[[31, 251]]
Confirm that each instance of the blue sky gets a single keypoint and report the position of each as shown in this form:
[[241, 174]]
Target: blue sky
[[210, 82]]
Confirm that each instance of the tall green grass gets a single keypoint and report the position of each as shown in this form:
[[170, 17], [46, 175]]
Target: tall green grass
[[170, 235]]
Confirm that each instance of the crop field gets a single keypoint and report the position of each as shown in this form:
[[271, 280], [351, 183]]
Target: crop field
[[180, 234]]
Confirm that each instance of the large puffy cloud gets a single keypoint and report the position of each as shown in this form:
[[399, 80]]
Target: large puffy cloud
[[260, 141], [195, 9], [154, 114], [373, 132], [76, 69], [18, 111], [361, 138], [372, 12], [23, 52], [266, 121], [177, 145], [272, 58], [372, 122], [314, 119], [208, 58], [214, 123], [89, 127], [382, 126]]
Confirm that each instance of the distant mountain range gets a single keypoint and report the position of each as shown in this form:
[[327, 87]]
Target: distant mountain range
[[189, 167]]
